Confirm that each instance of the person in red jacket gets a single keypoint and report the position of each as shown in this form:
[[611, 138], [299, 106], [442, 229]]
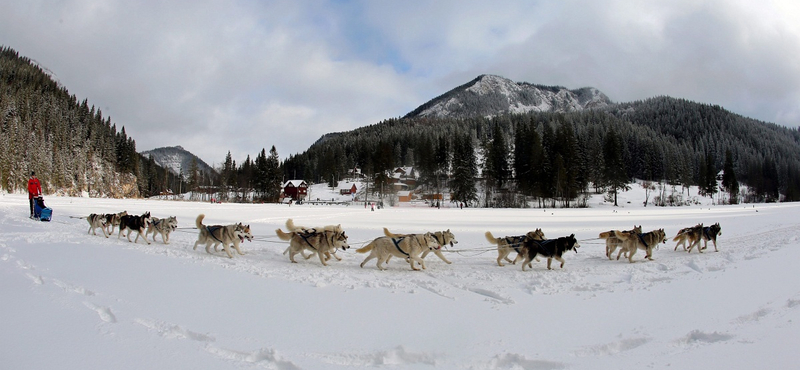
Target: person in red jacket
[[34, 189]]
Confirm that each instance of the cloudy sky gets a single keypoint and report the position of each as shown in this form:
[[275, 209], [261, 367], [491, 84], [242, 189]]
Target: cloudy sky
[[239, 76]]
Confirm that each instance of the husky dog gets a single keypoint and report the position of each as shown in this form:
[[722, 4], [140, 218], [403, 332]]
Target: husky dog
[[552, 248], [686, 234], [243, 232], [293, 228], [646, 242], [442, 237], [96, 221], [509, 244], [225, 235], [112, 220], [163, 226], [697, 233], [322, 242], [612, 242], [311, 230], [134, 223], [409, 246]]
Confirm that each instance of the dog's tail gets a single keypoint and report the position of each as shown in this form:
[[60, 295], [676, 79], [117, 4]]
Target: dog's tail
[[622, 235], [290, 225], [366, 248], [491, 237], [389, 233], [199, 221], [606, 234], [282, 235], [681, 234]]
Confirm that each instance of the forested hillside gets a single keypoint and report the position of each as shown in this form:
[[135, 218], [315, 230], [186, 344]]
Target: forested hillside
[[553, 157], [72, 147]]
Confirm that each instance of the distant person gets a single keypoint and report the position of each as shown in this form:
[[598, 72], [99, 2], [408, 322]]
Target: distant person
[[34, 190]]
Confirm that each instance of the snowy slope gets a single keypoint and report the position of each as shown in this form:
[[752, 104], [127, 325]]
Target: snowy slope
[[78, 301], [177, 160], [490, 95]]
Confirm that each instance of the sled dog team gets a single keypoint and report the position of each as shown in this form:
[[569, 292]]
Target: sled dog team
[[143, 225], [413, 248]]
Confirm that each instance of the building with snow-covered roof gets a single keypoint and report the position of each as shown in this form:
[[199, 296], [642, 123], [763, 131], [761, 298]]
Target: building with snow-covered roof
[[295, 189]]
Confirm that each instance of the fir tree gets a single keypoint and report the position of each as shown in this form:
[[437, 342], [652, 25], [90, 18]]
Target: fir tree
[[274, 176], [614, 170], [465, 169], [729, 181]]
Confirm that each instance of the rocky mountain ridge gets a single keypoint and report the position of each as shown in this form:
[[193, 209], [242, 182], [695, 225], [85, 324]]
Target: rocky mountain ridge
[[491, 95], [177, 160]]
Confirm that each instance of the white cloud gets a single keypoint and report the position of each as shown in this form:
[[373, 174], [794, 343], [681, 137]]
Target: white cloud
[[214, 76]]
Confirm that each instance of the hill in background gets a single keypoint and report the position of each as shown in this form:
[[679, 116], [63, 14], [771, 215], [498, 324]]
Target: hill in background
[[551, 143], [178, 160], [490, 95]]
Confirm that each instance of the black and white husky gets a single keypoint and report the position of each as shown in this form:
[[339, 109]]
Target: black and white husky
[[134, 223]]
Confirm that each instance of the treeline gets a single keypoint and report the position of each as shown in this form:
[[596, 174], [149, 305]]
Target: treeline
[[250, 181], [70, 145], [552, 158]]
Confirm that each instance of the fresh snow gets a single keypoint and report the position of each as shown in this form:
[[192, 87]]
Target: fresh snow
[[72, 300]]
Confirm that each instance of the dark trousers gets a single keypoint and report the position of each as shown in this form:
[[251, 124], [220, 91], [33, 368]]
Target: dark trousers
[[31, 200]]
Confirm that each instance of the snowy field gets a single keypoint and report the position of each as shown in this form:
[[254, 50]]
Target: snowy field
[[77, 301]]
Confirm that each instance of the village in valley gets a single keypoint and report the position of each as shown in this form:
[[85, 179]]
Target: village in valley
[[402, 191]]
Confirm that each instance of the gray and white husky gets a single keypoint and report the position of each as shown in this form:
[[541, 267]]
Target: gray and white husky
[[97, 222], [217, 234], [163, 226]]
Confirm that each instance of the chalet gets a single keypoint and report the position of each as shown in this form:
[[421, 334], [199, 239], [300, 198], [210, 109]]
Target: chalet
[[404, 196], [295, 189], [405, 176], [347, 188]]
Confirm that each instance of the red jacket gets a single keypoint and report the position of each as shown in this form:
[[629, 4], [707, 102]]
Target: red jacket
[[34, 188]]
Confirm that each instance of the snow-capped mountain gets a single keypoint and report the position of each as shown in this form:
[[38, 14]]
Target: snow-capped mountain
[[177, 160], [490, 95]]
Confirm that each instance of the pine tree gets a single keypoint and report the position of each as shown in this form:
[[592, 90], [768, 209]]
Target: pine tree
[[497, 168], [226, 175], [708, 176], [274, 176], [614, 171], [261, 174], [465, 169], [194, 176], [729, 181]]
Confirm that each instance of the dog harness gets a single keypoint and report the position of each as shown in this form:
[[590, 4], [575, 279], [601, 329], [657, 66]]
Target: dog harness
[[515, 241], [437, 239], [211, 230], [641, 238], [706, 230], [305, 238], [542, 243], [397, 245]]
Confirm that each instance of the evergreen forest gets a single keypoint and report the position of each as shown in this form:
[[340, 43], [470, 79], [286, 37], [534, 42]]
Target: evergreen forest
[[70, 145]]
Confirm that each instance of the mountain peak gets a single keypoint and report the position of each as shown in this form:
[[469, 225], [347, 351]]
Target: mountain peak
[[491, 95], [177, 160]]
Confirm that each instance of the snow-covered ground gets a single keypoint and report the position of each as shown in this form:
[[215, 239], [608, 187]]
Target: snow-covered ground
[[77, 301]]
